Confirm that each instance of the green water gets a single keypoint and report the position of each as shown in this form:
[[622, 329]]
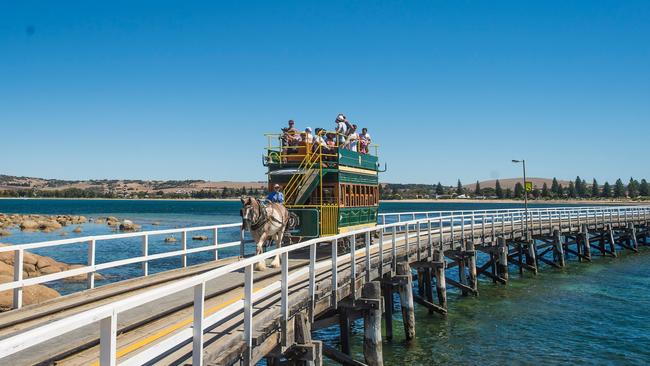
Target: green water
[[585, 314]]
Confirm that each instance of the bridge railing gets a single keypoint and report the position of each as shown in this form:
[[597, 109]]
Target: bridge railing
[[107, 314], [91, 267], [445, 218]]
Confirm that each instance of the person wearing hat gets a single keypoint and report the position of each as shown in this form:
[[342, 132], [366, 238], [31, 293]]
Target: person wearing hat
[[276, 196], [290, 137]]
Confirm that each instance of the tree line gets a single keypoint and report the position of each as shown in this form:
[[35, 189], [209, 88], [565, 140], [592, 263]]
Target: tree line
[[94, 193], [576, 189]]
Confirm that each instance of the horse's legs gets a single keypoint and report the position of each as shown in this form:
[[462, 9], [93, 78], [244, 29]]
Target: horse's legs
[[261, 265], [277, 238]]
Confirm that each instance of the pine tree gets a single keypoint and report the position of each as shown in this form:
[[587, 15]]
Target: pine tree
[[477, 189], [499, 190], [555, 188], [633, 188], [225, 193], [579, 190], [619, 188], [545, 192], [519, 190], [508, 193], [560, 191], [459, 188], [594, 189], [572, 189], [644, 189], [607, 190], [439, 189]]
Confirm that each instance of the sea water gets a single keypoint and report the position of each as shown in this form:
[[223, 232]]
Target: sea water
[[589, 314]]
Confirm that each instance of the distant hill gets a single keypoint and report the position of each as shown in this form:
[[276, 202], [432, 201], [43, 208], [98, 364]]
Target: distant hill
[[123, 187], [510, 183]]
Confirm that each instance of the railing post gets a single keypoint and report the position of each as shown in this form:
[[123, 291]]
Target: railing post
[[335, 280], [367, 259], [197, 337], [417, 241], [353, 266], [90, 277], [393, 249], [284, 297], [381, 251], [145, 254], [108, 340], [18, 276], [248, 312], [215, 234], [241, 242], [406, 243], [451, 225], [312, 280], [430, 239], [184, 243]]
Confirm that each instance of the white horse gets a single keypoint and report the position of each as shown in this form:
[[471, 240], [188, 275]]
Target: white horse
[[265, 221]]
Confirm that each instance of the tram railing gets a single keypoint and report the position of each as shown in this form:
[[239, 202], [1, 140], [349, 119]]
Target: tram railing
[[108, 314]]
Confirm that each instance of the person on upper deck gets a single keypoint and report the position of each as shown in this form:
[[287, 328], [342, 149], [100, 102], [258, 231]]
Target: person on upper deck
[[276, 196], [364, 141], [341, 128], [309, 138], [352, 141], [290, 137]]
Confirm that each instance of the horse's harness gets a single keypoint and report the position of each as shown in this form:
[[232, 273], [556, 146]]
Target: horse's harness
[[263, 216]]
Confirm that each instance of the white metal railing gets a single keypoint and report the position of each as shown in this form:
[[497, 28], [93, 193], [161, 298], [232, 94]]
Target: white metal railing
[[452, 224], [460, 217], [19, 283]]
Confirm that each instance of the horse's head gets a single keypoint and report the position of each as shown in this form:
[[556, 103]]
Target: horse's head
[[249, 212]]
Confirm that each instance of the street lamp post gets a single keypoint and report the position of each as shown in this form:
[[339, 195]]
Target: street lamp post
[[523, 163]]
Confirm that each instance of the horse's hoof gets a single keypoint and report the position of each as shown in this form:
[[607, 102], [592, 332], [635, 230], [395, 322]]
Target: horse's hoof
[[260, 267], [275, 264]]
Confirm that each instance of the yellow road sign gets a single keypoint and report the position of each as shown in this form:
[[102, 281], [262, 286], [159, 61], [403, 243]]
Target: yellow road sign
[[529, 186]]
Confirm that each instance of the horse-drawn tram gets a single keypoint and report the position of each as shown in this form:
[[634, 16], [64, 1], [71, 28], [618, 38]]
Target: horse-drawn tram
[[328, 185]]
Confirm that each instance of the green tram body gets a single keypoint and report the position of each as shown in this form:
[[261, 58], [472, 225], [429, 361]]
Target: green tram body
[[338, 193]]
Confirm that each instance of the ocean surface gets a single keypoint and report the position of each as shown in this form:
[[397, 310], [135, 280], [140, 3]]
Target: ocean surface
[[590, 314]]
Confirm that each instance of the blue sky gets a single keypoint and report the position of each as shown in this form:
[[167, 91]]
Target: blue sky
[[455, 89]]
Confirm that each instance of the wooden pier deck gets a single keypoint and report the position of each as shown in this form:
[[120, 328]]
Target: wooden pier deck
[[247, 316]]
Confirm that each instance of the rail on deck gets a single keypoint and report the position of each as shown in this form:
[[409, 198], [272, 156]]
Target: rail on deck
[[432, 223]]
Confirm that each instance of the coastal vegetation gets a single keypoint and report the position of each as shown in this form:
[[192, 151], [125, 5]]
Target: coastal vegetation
[[506, 189], [543, 189]]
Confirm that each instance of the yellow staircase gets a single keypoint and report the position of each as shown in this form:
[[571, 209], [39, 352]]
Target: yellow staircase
[[308, 171]]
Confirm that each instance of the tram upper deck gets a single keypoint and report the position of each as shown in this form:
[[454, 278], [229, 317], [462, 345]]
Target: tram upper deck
[[281, 154]]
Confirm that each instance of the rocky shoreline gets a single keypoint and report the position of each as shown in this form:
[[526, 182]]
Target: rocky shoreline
[[34, 265], [51, 223]]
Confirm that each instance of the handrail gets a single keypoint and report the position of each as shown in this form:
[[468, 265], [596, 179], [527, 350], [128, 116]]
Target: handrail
[[19, 283], [305, 169], [107, 314]]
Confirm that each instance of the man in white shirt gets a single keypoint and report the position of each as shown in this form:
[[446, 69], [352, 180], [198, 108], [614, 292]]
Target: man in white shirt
[[309, 138], [341, 128], [352, 141]]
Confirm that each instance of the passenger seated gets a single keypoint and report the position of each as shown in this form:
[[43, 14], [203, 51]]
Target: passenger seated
[[292, 137], [307, 137]]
